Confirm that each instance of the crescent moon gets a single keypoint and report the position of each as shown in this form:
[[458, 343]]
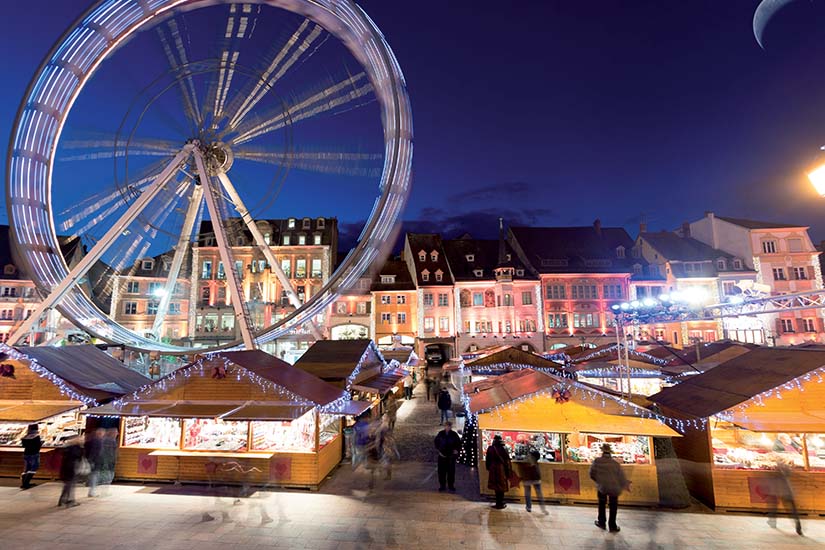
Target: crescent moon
[[762, 16]]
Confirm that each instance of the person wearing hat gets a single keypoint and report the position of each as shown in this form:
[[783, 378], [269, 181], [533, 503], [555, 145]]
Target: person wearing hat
[[610, 482], [31, 455], [499, 470]]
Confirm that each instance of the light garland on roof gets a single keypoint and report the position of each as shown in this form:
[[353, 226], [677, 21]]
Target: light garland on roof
[[615, 347], [498, 368], [364, 356], [62, 385], [611, 372]]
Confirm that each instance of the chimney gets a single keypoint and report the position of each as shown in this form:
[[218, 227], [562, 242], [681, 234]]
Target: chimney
[[642, 227], [597, 226], [685, 229]]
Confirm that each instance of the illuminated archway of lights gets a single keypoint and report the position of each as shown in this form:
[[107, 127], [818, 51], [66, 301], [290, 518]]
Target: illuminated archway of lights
[[108, 25]]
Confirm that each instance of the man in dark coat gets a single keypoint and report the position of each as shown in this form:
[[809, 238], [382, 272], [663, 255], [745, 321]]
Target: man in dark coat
[[499, 470], [72, 455], [448, 443], [31, 456], [445, 404], [610, 483]]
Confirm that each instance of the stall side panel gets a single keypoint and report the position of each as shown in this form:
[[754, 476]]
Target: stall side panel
[[695, 459], [26, 385]]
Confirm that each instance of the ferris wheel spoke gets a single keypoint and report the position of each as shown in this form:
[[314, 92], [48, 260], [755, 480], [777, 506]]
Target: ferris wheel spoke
[[346, 164], [115, 143], [179, 62], [282, 61], [119, 154], [335, 96]]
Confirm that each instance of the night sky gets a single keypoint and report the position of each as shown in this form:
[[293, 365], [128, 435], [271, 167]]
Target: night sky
[[556, 113]]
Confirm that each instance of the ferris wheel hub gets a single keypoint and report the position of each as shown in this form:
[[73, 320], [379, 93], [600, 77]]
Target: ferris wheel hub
[[217, 155]]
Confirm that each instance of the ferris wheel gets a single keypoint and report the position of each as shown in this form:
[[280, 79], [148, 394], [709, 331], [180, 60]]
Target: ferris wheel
[[150, 116]]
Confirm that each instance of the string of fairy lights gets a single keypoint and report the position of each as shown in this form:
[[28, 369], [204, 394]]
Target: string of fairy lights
[[62, 385]]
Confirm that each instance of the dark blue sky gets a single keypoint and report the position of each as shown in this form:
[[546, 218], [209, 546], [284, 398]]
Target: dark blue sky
[[556, 113]]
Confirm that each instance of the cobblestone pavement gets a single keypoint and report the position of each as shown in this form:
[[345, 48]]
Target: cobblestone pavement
[[416, 426]]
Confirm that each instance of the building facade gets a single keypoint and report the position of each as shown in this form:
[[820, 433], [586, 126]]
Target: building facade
[[395, 305]]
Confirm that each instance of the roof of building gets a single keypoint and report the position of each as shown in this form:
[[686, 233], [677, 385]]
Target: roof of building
[[333, 360], [755, 224], [590, 249], [685, 249], [484, 254], [92, 371], [398, 268], [429, 243], [739, 379]]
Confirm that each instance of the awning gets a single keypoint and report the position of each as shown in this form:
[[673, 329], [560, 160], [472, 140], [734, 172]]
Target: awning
[[262, 411], [349, 408], [812, 421], [380, 384], [35, 412], [129, 409]]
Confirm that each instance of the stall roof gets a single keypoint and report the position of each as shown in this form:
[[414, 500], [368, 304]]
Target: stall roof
[[132, 408], [380, 384], [262, 411], [226, 410], [88, 368], [739, 379], [35, 412], [349, 408], [334, 360], [493, 392], [294, 379], [508, 354]]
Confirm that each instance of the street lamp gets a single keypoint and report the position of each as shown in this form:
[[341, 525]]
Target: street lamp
[[817, 178]]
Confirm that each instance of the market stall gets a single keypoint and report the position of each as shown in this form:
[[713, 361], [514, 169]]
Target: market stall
[[764, 407], [615, 367], [242, 416], [50, 386], [567, 423]]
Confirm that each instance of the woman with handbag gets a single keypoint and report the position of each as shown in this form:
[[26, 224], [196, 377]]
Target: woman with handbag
[[499, 471]]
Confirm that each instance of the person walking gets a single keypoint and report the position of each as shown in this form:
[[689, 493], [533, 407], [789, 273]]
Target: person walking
[[531, 479], [445, 404], [361, 431], [108, 459], [779, 490], [408, 386], [610, 483], [392, 411], [447, 443], [72, 459], [428, 382], [499, 470], [31, 456], [94, 448]]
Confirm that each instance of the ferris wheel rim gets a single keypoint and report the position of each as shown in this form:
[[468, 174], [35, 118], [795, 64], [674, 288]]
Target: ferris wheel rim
[[342, 19]]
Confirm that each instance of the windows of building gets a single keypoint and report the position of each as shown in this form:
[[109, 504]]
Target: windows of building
[[9, 269], [584, 292], [302, 240], [809, 325], [428, 299], [174, 308], [444, 324], [205, 295], [386, 299], [425, 275], [508, 300], [267, 238], [799, 273], [795, 245], [439, 275], [527, 325], [787, 325], [402, 318], [443, 299], [721, 264], [341, 308], [613, 292], [728, 288], [387, 279], [147, 265], [152, 307], [557, 320], [434, 256], [779, 274], [221, 272], [221, 295], [206, 269], [470, 257], [637, 269], [429, 324], [555, 292], [316, 239], [239, 268], [585, 320], [300, 290], [769, 247], [130, 308], [291, 223], [519, 273], [262, 265], [285, 240], [286, 267], [478, 299], [400, 299], [737, 264], [320, 223], [133, 287], [386, 318], [478, 273], [620, 252], [361, 308], [301, 268], [155, 288], [315, 273], [422, 256], [527, 298]]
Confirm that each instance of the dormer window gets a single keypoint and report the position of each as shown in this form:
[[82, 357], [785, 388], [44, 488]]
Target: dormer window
[[320, 222], [147, 265], [291, 223], [425, 275], [721, 264], [439, 275], [267, 238], [737, 264], [307, 223], [470, 257], [302, 239], [620, 251], [519, 273], [508, 257], [286, 240], [387, 279], [478, 272], [9, 269], [316, 239], [434, 256], [637, 269], [422, 256]]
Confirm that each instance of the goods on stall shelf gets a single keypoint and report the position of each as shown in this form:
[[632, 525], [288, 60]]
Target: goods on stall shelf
[[155, 433], [738, 448], [520, 443], [574, 447], [54, 431], [214, 435]]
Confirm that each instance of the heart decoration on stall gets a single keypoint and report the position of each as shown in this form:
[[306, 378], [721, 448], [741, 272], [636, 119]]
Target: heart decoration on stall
[[6, 370], [561, 396]]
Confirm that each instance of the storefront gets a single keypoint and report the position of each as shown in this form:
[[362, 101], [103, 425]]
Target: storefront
[[762, 408], [50, 386], [567, 423], [238, 417]]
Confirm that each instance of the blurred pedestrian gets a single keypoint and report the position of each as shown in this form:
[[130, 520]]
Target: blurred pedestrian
[[389, 450], [531, 479], [392, 412], [448, 444], [445, 404], [610, 483], [362, 439], [31, 455], [94, 448], [499, 470], [71, 467], [779, 490], [428, 382], [408, 386], [108, 458]]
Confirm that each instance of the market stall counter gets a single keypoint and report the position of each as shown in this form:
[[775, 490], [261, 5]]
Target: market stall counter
[[567, 423], [49, 386], [236, 417], [763, 408]]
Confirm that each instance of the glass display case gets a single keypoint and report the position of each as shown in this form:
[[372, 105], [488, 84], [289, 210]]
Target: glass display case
[[627, 449], [204, 434], [330, 428], [520, 443], [11, 433], [295, 436], [155, 433], [739, 448], [54, 431]]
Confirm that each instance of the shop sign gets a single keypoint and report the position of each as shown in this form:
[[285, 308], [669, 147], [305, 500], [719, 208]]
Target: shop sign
[[566, 482]]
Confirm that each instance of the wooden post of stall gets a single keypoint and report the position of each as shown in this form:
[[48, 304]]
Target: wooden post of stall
[[317, 433], [805, 458]]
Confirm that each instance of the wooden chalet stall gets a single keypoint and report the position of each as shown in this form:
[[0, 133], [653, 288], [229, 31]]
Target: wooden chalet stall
[[49, 386], [356, 366], [497, 360], [567, 423], [616, 368], [241, 416], [762, 407]]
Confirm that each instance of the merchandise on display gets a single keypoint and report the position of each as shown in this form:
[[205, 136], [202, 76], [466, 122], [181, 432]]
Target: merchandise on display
[[156, 433], [738, 448], [627, 449], [520, 443], [201, 434], [54, 431], [295, 436]]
